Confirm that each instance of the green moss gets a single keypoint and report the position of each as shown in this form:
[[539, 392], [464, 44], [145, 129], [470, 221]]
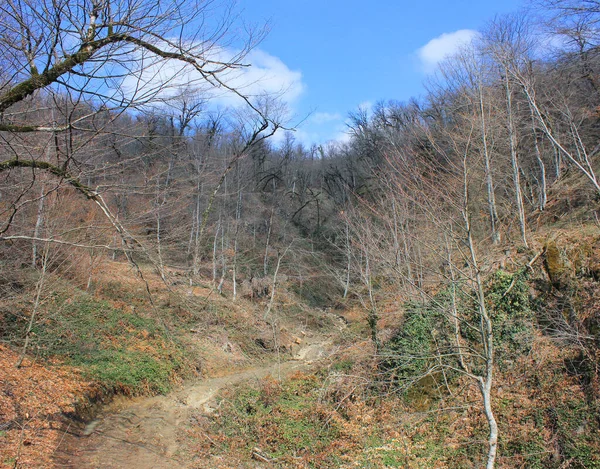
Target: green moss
[[342, 366], [574, 428], [557, 268], [393, 458], [408, 353], [533, 452]]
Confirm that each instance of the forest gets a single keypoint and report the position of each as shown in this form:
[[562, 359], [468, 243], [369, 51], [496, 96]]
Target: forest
[[422, 294]]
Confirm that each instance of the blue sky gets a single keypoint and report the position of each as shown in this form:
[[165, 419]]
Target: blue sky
[[335, 55]]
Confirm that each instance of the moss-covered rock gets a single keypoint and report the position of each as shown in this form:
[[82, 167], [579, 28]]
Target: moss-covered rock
[[557, 265]]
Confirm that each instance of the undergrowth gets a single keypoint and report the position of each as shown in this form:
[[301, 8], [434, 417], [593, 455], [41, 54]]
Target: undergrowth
[[424, 344], [281, 419], [293, 423], [341, 418], [326, 420], [122, 350]]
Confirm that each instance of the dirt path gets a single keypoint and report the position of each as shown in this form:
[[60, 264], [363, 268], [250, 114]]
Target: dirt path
[[145, 433]]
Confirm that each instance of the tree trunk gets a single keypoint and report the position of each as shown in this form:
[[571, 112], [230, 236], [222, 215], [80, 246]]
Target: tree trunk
[[489, 181], [485, 386], [214, 254], [348, 257], [543, 192], [238, 217], [36, 304], [267, 242], [514, 159], [485, 329], [38, 226]]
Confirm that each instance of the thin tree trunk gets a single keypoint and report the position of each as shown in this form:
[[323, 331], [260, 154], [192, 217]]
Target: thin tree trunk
[[514, 159], [485, 386], [36, 304], [238, 216], [234, 268], [543, 193], [585, 167], [407, 256], [256, 137], [223, 260], [454, 313], [160, 262], [214, 255], [395, 232], [372, 316], [192, 230], [266, 256], [274, 284], [419, 268], [91, 271], [348, 257], [557, 162], [38, 226], [489, 181], [486, 330]]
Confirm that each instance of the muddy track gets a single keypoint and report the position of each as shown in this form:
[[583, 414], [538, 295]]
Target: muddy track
[[146, 433]]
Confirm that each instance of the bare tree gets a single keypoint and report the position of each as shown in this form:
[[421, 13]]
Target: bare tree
[[508, 42], [444, 207], [75, 69]]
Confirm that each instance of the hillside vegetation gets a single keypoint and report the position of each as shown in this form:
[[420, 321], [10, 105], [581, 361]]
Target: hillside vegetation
[[149, 240]]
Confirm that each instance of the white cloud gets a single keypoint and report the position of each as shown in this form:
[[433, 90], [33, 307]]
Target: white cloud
[[320, 128], [552, 43], [343, 136], [265, 75], [325, 117], [268, 74], [443, 46]]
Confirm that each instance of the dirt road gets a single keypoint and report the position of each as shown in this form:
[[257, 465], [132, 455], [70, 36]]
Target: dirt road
[[146, 433]]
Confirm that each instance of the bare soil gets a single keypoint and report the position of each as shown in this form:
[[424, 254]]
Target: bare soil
[[145, 433]]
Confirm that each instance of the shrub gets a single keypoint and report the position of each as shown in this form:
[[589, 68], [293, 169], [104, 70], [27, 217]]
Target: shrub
[[410, 353], [427, 330], [508, 301]]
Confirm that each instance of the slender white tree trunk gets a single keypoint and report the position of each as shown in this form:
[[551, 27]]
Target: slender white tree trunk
[[543, 192], [348, 257], [266, 256], [38, 226], [214, 254], [489, 181], [275, 277], [485, 386], [238, 217], [514, 159], [485, 329]]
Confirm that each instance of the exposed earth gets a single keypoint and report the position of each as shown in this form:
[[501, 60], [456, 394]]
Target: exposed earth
[[148, 432]]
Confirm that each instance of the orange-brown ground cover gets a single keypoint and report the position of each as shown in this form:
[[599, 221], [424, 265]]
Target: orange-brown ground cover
[[33, 403]]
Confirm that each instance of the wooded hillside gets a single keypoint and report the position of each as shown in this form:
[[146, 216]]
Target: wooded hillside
[[457, 233]]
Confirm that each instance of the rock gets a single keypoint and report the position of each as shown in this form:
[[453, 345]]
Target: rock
[[557, 267]]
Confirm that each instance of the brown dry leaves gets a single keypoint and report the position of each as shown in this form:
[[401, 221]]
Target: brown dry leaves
[[33, 402]]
